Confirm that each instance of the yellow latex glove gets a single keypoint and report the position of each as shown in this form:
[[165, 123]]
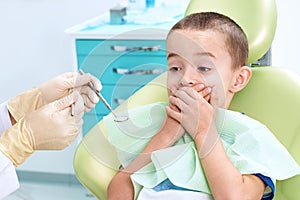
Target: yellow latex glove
[[25, 102], [52, 90], [61, 85], [49, 128]]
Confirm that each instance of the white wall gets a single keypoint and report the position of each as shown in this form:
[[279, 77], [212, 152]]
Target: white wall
[[34, 48], [286, 44], [33, 45]]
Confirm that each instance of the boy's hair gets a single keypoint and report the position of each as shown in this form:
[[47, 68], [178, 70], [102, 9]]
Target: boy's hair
[[235, 38]]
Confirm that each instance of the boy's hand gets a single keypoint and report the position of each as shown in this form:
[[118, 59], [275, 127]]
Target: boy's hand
[[195, 113], [171, 129]]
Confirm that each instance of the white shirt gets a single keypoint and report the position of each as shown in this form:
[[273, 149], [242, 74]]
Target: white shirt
[[149, 194], [8, 177]]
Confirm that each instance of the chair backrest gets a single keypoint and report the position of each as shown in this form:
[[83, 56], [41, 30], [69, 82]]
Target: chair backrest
[[273, 97], [258, 19]]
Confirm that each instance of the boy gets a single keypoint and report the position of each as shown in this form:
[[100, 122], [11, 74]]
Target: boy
[[201, 150]]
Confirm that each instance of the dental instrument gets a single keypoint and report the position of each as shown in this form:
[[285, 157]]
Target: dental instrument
[[116, 117]]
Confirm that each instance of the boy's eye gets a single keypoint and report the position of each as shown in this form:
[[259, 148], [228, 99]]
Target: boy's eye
[[203, 69], [174, 68]]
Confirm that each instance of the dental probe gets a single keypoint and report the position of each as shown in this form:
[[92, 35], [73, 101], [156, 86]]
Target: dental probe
[[116, 117]]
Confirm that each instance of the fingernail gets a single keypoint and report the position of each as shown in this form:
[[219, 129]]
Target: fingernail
[[208, 90], [200, 86]]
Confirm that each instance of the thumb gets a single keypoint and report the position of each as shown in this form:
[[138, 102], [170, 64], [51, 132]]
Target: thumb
[[65, 102]]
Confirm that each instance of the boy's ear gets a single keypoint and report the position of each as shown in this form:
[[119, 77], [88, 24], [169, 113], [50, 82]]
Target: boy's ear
[[241, 79]]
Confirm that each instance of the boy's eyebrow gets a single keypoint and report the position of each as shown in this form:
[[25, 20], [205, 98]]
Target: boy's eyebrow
[[170, 55], [205, 54]]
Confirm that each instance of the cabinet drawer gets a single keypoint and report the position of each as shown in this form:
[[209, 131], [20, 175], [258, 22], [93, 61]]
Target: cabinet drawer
[[128, 70], [120, 47]]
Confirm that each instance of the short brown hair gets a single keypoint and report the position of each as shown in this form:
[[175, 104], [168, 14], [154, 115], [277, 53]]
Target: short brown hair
[[235, 38]]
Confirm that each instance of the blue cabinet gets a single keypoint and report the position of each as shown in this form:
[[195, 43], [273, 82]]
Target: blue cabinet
[[123, 57], [123, 66]]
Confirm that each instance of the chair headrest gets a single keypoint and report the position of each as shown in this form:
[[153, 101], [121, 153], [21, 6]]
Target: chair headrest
[[258, 19]]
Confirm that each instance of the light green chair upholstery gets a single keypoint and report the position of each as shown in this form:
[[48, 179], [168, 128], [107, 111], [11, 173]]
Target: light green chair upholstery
[[272, 97]]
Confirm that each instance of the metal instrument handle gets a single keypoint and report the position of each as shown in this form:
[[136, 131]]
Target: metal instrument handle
[[142, 48], [137, 72]]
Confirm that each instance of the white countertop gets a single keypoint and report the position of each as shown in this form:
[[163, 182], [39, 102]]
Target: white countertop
[[145, 24]]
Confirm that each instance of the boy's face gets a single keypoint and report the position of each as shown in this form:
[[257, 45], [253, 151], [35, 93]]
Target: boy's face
[[200, 57]]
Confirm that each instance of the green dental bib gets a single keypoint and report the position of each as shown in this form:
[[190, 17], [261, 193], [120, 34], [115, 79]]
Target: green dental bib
[[250, 146]]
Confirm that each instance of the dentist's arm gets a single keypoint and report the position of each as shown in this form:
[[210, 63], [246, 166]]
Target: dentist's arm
[[8, 177]]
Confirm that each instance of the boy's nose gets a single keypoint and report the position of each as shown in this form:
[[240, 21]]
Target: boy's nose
[[188, 78], [185, 82]]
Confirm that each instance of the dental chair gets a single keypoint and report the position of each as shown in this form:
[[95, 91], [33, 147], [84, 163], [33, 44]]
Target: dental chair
[[272, 97]]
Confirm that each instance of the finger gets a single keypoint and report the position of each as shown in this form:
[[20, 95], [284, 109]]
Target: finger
[[85, 93], [190, 92], [67, 101], [90, 94], [95, 81], [207, 97], [85, 79], [173, 107], [183, 95], [79, 106], [87, 103], [199, 87], [177, 102], [173, 114], [205, 93]]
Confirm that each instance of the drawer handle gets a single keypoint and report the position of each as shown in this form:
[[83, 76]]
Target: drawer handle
[[119, 101], [137, 72], [125, 49]]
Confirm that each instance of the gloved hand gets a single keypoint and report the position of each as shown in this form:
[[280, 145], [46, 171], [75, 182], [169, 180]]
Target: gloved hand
[[60, 86], [49, 128], [52, 90]]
